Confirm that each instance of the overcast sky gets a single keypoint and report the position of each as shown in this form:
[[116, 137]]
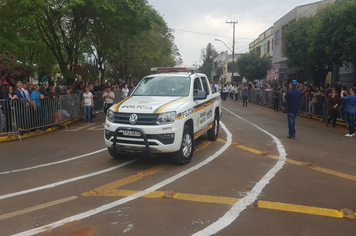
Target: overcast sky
[[199, 22]]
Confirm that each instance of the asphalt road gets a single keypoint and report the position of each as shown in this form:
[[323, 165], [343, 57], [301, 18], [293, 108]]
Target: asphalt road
[[252, 181]]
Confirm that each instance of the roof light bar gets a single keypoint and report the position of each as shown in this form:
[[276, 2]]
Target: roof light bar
[[172, 69]]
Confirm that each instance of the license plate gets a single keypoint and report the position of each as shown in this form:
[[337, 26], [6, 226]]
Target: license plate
[[131, 133]]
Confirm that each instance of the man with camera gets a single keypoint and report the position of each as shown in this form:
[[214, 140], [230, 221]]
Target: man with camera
[[350, 109]]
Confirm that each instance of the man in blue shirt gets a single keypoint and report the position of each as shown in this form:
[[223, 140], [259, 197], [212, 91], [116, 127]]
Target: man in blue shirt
[[292, 98], [350, 110]]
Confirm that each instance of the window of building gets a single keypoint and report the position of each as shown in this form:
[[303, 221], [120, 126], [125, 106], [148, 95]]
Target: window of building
[[277, 38], [268, 46]]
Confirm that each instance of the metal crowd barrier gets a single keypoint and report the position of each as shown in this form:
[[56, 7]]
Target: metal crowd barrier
[[320, 108], [24, 115], [5, 117]]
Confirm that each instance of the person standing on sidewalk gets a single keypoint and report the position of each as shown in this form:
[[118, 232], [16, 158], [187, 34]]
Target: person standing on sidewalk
[[244, 94], [350, 110], [109, 99], [87, 104], [275, 98], [236, 90], [292, 98], [334, 101]]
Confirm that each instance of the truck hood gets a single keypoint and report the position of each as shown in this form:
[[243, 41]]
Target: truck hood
[[145, 104]]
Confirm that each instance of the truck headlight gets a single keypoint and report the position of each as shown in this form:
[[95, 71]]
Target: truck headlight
[[110, 115], [166, 118]]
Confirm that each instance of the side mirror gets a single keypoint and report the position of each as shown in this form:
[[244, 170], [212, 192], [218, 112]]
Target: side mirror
[[201, 95]]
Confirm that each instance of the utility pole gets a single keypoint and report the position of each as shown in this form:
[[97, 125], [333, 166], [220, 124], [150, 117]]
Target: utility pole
[[233, 47]]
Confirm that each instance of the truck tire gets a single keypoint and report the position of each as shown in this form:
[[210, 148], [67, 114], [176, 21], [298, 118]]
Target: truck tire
[[185, 154], [213, 132], [115, 154]]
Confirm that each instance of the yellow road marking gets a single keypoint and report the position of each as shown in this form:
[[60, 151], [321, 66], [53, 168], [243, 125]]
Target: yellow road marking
[[293, 162], [111, 188], [300, 209], [202, 146], [277, 206], [205, 199], [35, 208]]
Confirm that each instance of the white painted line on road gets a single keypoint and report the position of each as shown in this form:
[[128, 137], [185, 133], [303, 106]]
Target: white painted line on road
[[132, 197], [36, 208], [66, 181], [52, 163], [251, 196]]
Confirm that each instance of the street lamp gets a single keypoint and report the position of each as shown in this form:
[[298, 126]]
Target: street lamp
[[224, 44], [233, 58]]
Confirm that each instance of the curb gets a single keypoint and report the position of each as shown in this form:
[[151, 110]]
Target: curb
[[33, 134]]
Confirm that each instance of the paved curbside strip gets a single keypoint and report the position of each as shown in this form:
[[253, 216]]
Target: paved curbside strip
[[33, 134]]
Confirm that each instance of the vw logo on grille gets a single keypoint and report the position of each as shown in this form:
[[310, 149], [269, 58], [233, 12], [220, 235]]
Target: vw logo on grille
[[133, 119]]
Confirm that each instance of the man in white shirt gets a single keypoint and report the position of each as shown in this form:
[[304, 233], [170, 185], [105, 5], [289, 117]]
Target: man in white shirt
[[229, 89], [125, 92], [25, 91], [109, 99]]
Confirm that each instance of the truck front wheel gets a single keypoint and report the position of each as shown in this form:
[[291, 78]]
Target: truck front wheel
[[185, 154]]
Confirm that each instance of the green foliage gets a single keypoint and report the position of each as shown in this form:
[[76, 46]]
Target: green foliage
[[320, 42], [125, 36], [337, 26], [251, 66], [21, 38], [296, 46], [140, 52], [207, 55], [10, 68]]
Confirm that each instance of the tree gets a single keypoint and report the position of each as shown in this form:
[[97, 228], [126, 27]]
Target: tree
[[337, 30], [62, 26], [208, 55], [151, 48], [126, 36], [112, 25], [10, 68], [21, 39], [318, 43], [251, 66]]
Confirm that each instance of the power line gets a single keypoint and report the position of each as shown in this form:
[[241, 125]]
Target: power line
[[193, 32], [245, 11], [224, 26], [277, 17], [282, 14], [267, 13]]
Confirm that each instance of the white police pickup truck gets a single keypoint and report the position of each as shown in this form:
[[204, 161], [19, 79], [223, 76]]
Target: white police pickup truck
[[164, 114]]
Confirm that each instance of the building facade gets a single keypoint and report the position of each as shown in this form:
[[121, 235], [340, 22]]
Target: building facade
[[263, 44], [279, 60], [223, 67]]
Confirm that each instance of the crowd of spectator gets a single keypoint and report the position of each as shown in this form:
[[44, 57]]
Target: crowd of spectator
[[322, 101], [35, 99]]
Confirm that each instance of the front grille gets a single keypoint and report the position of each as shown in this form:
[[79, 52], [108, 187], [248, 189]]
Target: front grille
[[160, 138], [143, 119]]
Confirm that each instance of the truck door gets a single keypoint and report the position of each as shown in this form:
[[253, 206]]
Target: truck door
[[210, 103], [199, 108]]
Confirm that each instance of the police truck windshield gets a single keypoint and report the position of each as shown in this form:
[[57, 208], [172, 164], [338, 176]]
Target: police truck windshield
[[172, 86]]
